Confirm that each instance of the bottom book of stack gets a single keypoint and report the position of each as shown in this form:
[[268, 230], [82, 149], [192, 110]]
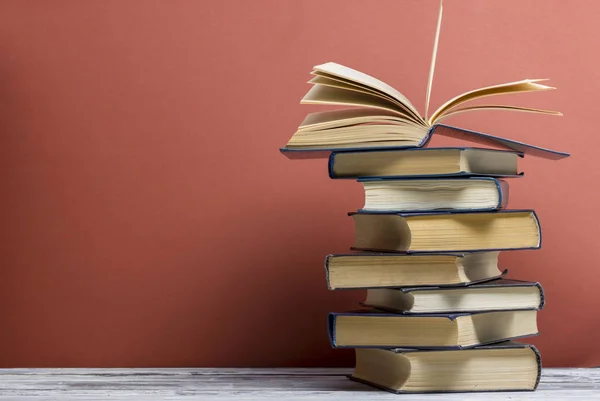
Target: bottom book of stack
[[507, 366]]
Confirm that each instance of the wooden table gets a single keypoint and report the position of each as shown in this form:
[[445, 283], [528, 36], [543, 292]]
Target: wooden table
[[253, 384]]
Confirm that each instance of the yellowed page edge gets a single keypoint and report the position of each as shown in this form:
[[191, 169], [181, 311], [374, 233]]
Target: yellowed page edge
[[528, 85], [367, 80], [499, 107]]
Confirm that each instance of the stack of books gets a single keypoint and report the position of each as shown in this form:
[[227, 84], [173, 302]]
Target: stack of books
[[439, 314]]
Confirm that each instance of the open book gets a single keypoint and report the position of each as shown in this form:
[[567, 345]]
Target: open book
[[381, 117]]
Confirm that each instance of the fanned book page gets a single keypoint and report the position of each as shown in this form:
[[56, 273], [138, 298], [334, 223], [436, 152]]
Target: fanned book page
[[379, 116]]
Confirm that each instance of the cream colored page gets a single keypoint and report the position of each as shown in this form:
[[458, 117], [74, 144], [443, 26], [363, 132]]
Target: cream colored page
[[511, 87], [326, 81], [345, 84], [323, 78], [313, 124], [369, 129], [320, 94], [498, 107], [357, 76], [346, 114]]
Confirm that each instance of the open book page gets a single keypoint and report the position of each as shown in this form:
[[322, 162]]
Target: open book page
[[369, 132], [357, 76], [322, 78], [433, 57], [343, 84], [528, 85], [497, 107], [320, 94], [348, 117], [337, 82]]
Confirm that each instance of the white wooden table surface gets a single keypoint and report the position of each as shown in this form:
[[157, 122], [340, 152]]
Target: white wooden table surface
[[253, 384]]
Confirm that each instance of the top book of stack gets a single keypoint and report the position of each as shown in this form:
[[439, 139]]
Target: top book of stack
[[380, 117]]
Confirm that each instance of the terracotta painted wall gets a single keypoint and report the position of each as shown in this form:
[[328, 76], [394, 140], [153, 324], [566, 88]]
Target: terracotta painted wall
[[148, 218]]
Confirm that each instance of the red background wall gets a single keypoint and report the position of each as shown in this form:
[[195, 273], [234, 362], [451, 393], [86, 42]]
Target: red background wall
[[148, 218]]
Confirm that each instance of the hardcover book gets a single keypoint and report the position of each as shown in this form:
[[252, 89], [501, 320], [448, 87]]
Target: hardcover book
[[507, 366], [431, 194], [447, 231], [371, 328], [384, 270], [502, 294], [430, 162]]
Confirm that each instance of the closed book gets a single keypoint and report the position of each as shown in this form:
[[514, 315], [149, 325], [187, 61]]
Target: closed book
[[502, 294], [430, 194], [382, 270], [427, 162], [371, 328], [506, 366], [447, 231]]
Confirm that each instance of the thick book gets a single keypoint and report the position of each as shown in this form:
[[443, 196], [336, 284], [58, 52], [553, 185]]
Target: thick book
[[502, 294], [447, 231], [429, 194], [371, 328], [375, 115], [388, 270], [506, 366], [428, 162]]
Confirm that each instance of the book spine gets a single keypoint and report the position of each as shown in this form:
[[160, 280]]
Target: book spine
[[503, 192], [300, 154], [542, 296], [538, 358], [331, 329], [330, 165], [327, 272], [537, 222], [427, 137]]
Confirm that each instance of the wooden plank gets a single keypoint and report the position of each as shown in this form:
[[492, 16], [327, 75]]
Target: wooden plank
[[252, 385]]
